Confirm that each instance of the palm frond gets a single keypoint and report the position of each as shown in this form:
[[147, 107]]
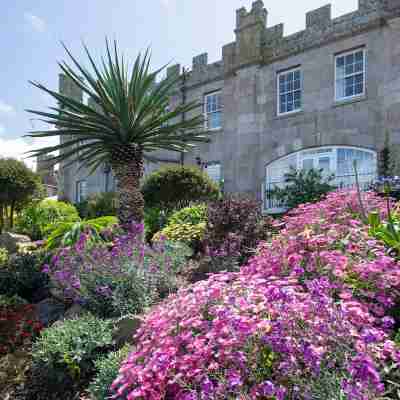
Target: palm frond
[[132, 111]]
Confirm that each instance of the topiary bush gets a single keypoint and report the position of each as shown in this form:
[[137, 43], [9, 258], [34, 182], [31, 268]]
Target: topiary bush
[[23, 276], [65, 354], [39, 219], [175, 187], [107, 370]]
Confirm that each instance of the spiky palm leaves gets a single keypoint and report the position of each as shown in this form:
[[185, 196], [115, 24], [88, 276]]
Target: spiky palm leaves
[[131, 119]]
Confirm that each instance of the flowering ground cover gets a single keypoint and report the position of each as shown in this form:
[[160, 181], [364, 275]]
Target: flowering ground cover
[[308, 317]]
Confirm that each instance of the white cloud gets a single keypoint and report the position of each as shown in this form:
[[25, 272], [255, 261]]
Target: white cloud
[[6, 108], [165, 3], [17, 148], [37, 23]]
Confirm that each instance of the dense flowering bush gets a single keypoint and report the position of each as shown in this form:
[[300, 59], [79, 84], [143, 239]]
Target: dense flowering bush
[[119, 280], [307, 314], [18, 325]]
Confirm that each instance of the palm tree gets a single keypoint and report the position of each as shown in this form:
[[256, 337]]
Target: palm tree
[[131, 119]]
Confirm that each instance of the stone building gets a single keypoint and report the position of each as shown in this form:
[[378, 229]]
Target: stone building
[[45, 169], [322, 97]]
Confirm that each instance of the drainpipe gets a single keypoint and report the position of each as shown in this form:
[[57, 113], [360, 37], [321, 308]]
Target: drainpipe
[[183, 90]]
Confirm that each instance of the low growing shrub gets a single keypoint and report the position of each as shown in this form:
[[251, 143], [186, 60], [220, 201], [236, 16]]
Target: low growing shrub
[[19, 326], [175, 187], [189, 234], [23, 276], [107, 370], [111, 282], [66, 353], [40, 218]]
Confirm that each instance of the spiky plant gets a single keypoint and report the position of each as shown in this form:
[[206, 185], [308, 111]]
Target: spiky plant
[[130, 120]]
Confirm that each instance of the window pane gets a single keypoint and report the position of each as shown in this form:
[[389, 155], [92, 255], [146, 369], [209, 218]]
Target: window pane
[[214, 120], [359, 67], [349, 69], [359, 88], [349, 59], [308, 164], [340, 62], [360, 56]]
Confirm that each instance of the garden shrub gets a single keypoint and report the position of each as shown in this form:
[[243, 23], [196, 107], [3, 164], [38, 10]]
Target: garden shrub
[[187, 226], [19, 326], [39, 219], [23, 276], [188, 234], [303, 186], [193, 215], [154, 220], [106, 371], [310, 307], [98, 205], [68, 233], [234, 228], [175, 187], [3, 256], [66, 353], [122, 280]]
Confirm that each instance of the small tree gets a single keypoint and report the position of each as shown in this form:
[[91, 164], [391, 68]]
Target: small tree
[[303, 186], [177, 186], [18, 186]]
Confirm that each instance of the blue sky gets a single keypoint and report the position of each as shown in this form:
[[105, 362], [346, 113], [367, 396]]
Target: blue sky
[[176, 30]]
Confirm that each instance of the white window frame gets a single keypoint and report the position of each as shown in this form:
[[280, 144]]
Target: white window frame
[[296, 160], [206, 114], [79, 195], [278, 97], [364, 72], [214, 164]]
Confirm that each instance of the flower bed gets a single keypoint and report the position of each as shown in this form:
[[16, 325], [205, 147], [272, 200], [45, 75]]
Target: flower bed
[[307, 317]]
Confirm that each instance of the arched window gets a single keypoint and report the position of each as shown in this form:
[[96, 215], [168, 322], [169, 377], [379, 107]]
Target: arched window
[[333, 160]]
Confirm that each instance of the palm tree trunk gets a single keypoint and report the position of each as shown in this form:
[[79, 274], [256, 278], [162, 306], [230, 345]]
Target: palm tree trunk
[[130, 198]]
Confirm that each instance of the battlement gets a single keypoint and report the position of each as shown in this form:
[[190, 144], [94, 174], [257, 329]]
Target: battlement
[[257, 15]]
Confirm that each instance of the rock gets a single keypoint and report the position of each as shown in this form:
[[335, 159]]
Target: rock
[[12, 241], [125, 328], [49, 311]]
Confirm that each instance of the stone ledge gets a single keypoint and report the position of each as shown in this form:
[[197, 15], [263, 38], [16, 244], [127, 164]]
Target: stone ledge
[[341, 103]]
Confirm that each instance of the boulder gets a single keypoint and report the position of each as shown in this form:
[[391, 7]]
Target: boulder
[[12, 242], [49, 311], [125, 328]]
